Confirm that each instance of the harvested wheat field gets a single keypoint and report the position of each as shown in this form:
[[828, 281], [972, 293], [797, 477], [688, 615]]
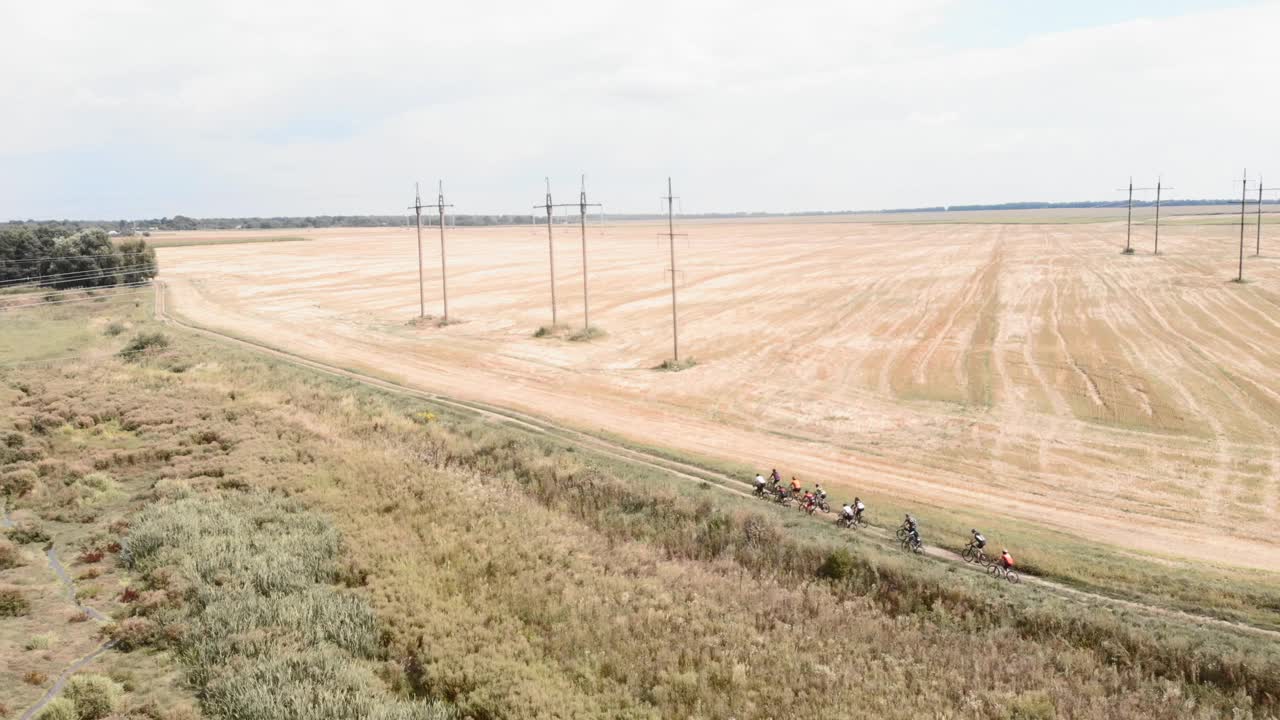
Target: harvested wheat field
[[1024, 369]]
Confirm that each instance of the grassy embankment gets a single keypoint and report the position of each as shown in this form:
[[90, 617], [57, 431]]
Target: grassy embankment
[[514, 576]]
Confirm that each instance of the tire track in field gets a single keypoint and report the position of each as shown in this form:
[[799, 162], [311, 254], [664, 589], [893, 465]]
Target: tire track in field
[[56, 566], [717, 480]]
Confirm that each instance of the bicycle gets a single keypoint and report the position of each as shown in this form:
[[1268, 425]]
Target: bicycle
[[996, 570], [850, 523], [912, 543], [974, 554]]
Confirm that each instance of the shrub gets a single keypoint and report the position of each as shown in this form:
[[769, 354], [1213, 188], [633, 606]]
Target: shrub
[[670, 365], [28, 533], [58, 709], [145, 342], [13, 603], [1033, 706], [587, 334], [89, 556], [549, 331], [93, 696], [9, 555], [17, 483], [132, 633], [33, 677], [114, 329], [38, 642], [839, 565]]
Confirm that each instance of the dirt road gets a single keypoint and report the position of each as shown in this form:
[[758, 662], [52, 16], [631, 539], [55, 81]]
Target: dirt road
[[1030, 366]]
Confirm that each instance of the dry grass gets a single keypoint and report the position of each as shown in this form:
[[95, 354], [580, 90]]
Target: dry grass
[[513, 576]]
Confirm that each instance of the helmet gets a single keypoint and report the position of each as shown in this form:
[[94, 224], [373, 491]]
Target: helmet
[[1002, 550], [974, 531]]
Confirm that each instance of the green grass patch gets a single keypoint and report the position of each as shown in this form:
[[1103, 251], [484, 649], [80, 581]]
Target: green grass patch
[[187, 241]]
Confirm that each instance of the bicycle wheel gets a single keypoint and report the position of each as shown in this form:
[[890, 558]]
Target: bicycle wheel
[[902, 533], [967, 554], [993, 570], [1012, 577]]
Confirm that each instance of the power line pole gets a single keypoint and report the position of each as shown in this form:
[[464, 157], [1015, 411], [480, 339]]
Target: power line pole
[[444, 275], [444, 284], [1159, 183], [1258, 250], [582, 209], [1244, 192], [417, 210], [1128, 227], [551, 247], [671, 239]]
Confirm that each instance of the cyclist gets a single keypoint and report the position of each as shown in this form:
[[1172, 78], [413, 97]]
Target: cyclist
[[858, 508], [847, 512], [1006, 560], [912, 540], [795, 485], [759, 484], [807, 500], [978, 540], [910, 524], [774, 477]]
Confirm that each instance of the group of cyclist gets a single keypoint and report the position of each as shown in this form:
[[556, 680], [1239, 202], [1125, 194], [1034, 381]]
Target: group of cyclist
[[810, 500], [851, 514]]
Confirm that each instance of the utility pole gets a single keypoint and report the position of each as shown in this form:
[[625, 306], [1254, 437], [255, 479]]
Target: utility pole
[[1244, 192], [582, 209], [1159, 183], [417, 210], [551, 247], [444, 282], [671, 239], [1128, 227], [1258, 250], [444, 285]]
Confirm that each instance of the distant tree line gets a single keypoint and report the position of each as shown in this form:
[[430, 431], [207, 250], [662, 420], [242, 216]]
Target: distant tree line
[[183, 223], [61, 256]]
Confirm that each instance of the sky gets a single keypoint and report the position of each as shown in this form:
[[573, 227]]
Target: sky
[[138, 109]]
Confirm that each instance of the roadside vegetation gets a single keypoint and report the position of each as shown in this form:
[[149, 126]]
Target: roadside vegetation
[[53, 256], [280, 535]]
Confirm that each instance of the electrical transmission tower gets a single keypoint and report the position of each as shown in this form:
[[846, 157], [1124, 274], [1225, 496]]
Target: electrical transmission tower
[[1257, 251], [417, 207], [550, 207], [582, 209], [671, 239], [1244, 199], [1159, 184], [1128, 229]]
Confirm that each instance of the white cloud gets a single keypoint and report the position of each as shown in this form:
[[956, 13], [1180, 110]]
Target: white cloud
[[135, 107]]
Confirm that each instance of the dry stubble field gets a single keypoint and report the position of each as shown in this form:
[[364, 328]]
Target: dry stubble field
[[1024, 370]]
